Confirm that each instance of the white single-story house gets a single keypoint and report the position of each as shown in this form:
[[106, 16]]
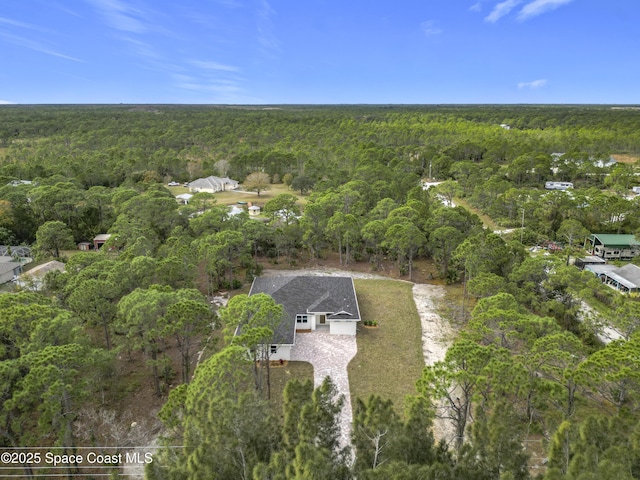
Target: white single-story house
[[212, 184], [310, 303]]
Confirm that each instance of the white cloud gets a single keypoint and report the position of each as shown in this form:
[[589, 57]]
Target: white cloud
[[36, 46], [429, 28], [120, 15], [534, 84], [476, 7], [531, 9], [229, 3], [502, 9], [6, 102], [538, 7], [213, 66], [140, 48], [266, 34], [66, 10], [15, 23]]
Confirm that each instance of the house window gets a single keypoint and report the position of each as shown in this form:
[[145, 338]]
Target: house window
[[273, 348], [302, 318]]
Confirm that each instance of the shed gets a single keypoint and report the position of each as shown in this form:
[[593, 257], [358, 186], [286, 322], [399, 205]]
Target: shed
[[84, 246], [589, 260], [100, 240], [254, 210], [184, 197]]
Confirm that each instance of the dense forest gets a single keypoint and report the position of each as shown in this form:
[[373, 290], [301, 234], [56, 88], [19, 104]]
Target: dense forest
[[527, 360]]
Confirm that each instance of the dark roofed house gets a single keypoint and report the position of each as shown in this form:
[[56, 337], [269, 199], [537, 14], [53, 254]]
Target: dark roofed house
[[310, 303], [610, 246]]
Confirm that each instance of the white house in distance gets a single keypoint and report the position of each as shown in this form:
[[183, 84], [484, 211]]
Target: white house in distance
[[212, 184], [558, 185], [310, 303]]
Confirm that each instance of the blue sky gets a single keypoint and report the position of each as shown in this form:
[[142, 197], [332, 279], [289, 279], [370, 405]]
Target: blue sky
[[320, 51]]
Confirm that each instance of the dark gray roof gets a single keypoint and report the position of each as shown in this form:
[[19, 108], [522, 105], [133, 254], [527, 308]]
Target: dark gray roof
[[334, 296]]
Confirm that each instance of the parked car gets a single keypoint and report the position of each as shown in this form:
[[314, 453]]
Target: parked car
[[173, 184]]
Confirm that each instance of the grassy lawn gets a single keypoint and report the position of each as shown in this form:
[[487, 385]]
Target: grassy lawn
[[486, 220], [281, 375], [230, 197], [621, 158], [389, 359]]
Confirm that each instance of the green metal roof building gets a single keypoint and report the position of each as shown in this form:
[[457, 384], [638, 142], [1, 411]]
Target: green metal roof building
[[613, 246]]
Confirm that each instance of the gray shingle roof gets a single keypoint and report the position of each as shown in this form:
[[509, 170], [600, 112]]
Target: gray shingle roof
[[628, 275], [8, 267], [334, 296], [215, 183]]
